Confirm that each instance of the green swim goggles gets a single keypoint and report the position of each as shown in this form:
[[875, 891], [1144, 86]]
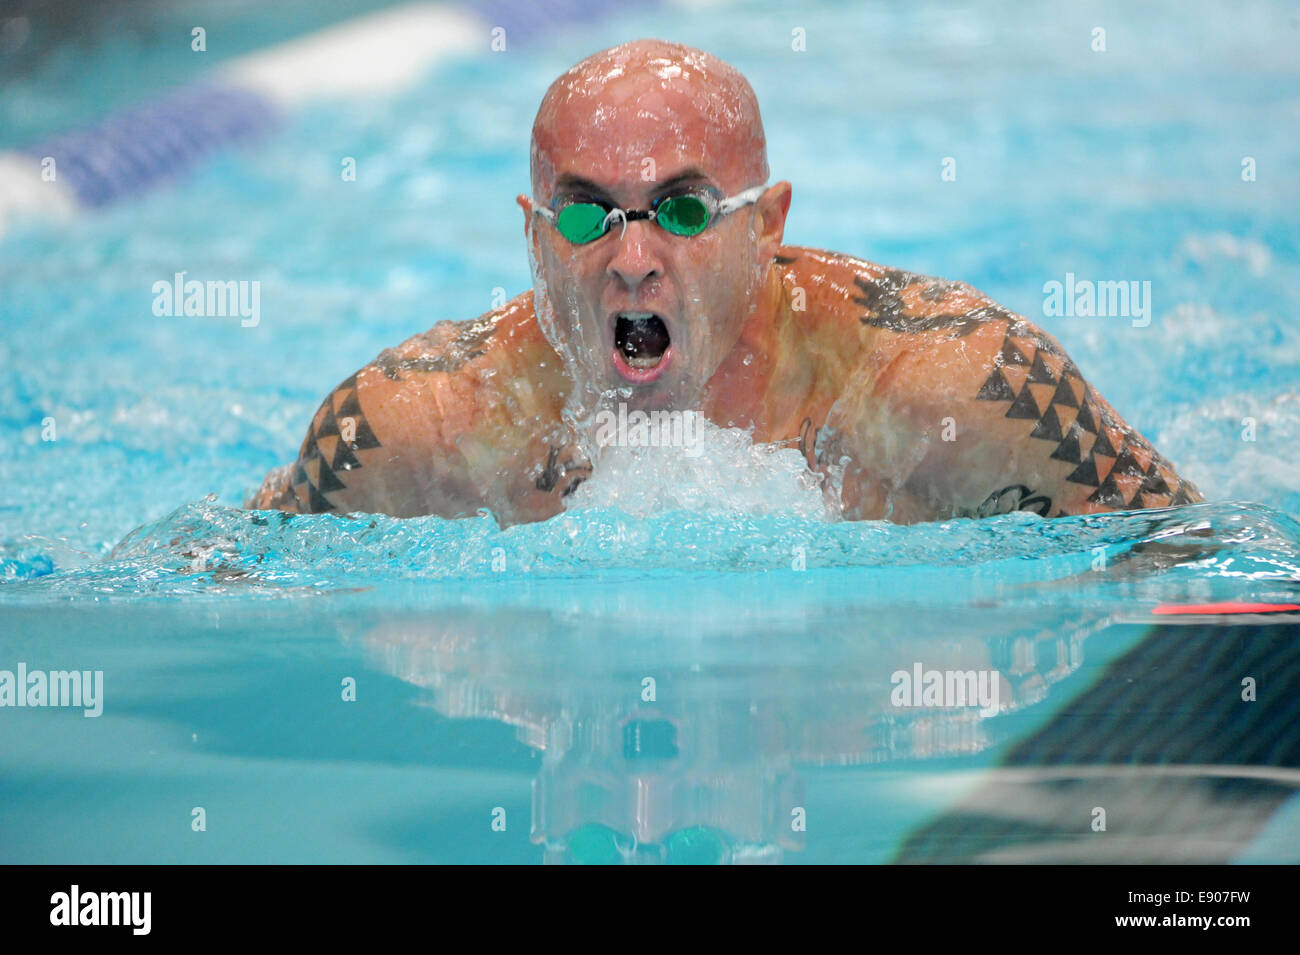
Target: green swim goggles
[[682, 213], [594, 844]]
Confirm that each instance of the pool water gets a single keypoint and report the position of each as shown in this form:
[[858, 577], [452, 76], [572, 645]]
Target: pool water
[[685, 668]]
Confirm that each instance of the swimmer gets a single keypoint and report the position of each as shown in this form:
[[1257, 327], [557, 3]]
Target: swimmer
[[660, 280]]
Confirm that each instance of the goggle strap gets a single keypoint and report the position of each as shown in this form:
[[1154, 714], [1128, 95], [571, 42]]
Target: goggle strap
[[740, 199]]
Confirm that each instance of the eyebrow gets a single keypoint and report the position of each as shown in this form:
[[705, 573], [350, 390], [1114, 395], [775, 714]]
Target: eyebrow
[[568, 182], [571, 183], [691, 175]]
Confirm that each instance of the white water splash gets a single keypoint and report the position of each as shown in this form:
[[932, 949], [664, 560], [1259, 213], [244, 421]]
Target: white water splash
[[1243, 446], [724, 473]]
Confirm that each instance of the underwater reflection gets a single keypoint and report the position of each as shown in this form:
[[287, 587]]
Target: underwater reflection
[[677, 743]]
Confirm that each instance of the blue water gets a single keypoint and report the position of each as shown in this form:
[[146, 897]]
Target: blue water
[[501, 670]]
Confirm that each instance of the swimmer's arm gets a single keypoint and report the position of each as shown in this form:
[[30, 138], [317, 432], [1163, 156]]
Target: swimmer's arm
[[355, 457], [376, 445], [441, 425], [988, 416]]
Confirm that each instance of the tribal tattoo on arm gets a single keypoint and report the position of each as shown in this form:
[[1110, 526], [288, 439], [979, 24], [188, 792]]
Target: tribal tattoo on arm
[[1041, 386], [338, 431]]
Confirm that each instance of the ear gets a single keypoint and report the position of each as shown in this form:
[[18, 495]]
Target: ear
[[773, 206], [526, 204]]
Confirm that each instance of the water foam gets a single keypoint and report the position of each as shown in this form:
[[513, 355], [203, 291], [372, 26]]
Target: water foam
[[723, 471]]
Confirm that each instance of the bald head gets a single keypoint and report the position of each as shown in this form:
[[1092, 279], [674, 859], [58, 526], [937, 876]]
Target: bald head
[[644, 111], [627, 129]]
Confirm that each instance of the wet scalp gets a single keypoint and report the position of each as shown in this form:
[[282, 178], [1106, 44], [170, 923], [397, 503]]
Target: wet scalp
[[702, 97]]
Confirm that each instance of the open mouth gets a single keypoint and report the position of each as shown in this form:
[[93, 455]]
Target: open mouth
[[642, 345]]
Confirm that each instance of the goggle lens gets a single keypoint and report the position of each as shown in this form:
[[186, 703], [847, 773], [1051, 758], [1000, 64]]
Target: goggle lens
[[581, 222], [698, 845], [595, 844], [683, 215]]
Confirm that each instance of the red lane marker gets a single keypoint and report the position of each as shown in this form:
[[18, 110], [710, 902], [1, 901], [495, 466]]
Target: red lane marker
[[1230, 606]]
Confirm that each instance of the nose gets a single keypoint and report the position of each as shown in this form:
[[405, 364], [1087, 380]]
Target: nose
[[635, 259]]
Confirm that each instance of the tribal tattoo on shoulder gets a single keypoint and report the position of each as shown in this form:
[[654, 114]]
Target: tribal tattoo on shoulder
[[470, 343], [1041, 385], [338, 431], [885, 301], [886, 306]]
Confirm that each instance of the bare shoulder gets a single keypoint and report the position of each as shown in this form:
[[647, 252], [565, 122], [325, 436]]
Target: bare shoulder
[[474, 344], [958, 405], [422, 427], [845, 291], [462, 377]]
